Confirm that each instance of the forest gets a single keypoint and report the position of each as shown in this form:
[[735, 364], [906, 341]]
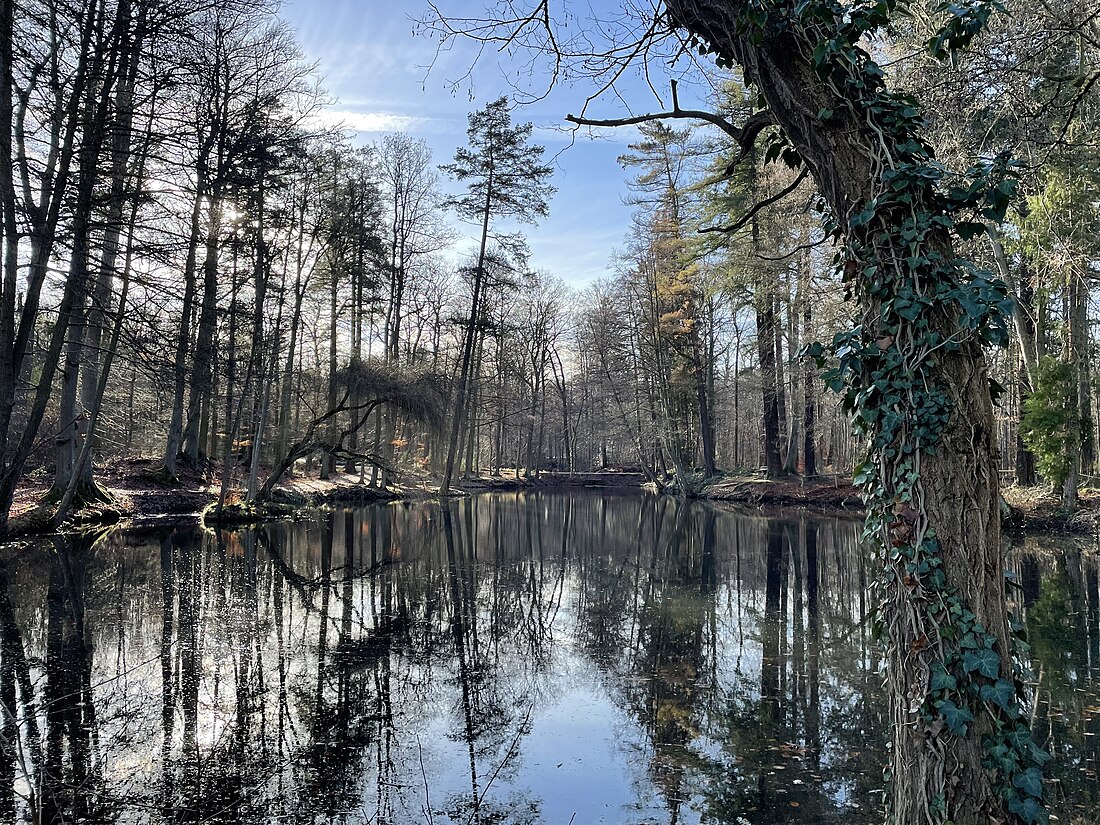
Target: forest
[[864, 253], [198, 275]]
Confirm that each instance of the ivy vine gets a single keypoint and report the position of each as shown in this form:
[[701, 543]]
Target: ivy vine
[[896, 255]]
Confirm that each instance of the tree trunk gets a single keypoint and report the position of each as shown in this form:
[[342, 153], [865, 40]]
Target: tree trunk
[[539, 442], [71, 421], [702, 368], [473, 402], [357, 358], [737, 400], [469, 340], [286, 384], [121, 134], [328, 462], [77, 483], [786, 422], [1026, 468], [765, 346], [809, 424], [1027, 474], [790, 462], [183, 339], [1080, 332], [202, 368], [938, 775], [42, 217], [228, 452]]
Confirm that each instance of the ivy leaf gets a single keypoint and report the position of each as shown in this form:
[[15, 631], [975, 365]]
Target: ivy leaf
[[1029, 810], [814, 352], [1025, 745], [1020, 740], [987, 662], [1001, 693], [1030, 782], [955, 717], [969, 229], [863, 474], [941, 679], [969, 641]]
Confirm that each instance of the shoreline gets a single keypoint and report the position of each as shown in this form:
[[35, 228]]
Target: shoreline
[[140, 500]]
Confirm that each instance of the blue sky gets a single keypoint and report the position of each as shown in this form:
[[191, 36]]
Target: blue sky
[[376, 70]]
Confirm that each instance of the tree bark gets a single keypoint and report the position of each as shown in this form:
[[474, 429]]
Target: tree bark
[[960, 483], [1026, 468], [702, 369], [462, 387], [809, 415], [202, 368], [68, 92], [328, 462], [1080, 332], [765, 347], [71, 421], [183, 339], [286, 384], [132, 36]]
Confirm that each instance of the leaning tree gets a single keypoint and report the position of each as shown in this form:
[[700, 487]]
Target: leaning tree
[[912, 372], [505, 177]]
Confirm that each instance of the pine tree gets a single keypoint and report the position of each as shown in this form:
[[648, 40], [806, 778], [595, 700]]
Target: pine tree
[[505, 178]]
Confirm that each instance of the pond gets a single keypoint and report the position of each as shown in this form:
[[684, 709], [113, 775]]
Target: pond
[[551, 658]]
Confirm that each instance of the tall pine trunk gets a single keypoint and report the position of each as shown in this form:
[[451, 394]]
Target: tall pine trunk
[[468, 342], [769, 382], [202, 367]]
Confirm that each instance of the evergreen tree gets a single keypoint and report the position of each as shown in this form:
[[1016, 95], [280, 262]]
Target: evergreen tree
[[505, 178]]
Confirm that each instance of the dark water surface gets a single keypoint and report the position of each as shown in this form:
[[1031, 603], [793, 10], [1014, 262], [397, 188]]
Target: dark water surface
[[541, 658]]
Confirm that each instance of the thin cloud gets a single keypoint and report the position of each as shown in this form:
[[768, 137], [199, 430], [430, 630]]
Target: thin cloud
[[369, 121]]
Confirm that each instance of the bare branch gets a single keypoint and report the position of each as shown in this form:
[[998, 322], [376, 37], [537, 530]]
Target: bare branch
[[754, 125], [752, 213], [744, 136], [802, 247]]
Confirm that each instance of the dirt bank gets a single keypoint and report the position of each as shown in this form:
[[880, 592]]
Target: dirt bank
[[1038, 509], [140, 495]]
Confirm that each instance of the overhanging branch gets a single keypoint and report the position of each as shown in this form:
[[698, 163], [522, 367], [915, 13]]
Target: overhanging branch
[[743, 136], [752, 213]]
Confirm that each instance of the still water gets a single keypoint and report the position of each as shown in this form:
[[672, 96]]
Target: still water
[[542, 658]]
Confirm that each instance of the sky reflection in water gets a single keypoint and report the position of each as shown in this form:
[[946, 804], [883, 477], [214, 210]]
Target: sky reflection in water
[[548, 658]]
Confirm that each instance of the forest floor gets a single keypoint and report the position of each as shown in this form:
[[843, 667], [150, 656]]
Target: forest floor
[[1029, 509], [1038, 509], [139, 492]]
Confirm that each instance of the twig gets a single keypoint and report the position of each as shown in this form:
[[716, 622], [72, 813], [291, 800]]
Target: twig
[[752, 213], [424, 777], [508, 754]]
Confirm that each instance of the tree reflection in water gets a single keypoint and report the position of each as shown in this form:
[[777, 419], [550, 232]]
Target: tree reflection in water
[[502, 659]]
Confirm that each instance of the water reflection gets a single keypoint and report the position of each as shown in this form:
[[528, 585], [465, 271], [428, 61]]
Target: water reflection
[[1059, 595], [504, 659]]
